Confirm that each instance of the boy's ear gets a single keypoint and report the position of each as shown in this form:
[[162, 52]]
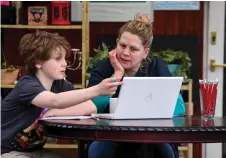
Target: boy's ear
[[38, 64]]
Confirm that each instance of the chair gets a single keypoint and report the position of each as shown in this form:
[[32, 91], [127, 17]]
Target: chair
[[187, 149]]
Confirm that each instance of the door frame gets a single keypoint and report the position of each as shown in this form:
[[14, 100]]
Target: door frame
[[224, 84], [214, 20]]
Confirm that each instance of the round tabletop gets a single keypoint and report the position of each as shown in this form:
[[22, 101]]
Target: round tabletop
[[177, 129]]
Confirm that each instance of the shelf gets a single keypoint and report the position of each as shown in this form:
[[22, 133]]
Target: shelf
[[7, 86], [185, 87], [78, 86], [60, 146], [83, 26], [42, 26], [75, 146], [183, 148]]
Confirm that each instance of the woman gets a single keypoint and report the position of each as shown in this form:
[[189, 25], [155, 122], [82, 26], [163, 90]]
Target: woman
[[130, 58]]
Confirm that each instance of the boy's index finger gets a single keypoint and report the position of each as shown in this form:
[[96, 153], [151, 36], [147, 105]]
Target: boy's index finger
[[116, 79]]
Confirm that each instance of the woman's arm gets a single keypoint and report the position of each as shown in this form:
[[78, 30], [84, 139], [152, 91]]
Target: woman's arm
[[101, 103], [180, 106]]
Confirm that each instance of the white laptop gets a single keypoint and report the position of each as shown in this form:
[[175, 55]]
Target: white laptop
[[146, 98]]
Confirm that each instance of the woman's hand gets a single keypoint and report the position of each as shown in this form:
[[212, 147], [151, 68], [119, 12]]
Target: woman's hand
[[118, 69], [109, 86]]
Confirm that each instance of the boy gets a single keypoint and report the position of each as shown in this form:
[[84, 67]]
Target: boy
[[43, 87]]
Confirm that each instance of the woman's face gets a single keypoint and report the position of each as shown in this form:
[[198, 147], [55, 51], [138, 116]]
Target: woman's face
[[130, 51]]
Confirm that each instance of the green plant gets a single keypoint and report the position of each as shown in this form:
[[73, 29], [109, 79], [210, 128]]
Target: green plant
[[175, 57], [169, 56], [101, 53], [5, 65]]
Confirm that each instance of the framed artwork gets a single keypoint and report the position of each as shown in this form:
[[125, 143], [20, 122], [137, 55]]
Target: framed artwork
[[37, 15]]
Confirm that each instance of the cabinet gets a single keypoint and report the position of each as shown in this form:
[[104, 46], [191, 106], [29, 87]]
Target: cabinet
[[84, 27]]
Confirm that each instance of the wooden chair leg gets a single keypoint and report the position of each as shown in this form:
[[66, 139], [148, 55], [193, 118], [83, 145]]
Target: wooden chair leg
[[82, 149], [190, 150], [147, 151]]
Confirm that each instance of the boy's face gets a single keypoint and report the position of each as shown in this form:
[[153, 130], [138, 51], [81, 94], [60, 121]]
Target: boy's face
[[55, 67]]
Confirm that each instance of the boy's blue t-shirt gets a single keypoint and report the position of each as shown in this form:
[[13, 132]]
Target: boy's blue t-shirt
[[19, 128]]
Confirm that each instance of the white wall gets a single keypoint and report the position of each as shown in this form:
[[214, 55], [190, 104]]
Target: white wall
[[112, 11], [214, 16]]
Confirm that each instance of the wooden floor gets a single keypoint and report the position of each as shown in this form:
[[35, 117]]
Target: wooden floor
[[71, 150], [73, 153], [64, 150], [66, 153]]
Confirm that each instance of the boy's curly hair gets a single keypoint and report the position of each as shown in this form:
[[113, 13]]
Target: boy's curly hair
[[38, 47]]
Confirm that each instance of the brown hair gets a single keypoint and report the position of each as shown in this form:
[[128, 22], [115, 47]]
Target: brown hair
[[140, 26], [38, 47]]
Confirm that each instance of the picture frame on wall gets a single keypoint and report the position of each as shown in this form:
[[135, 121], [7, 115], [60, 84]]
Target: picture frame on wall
[[37, 15]]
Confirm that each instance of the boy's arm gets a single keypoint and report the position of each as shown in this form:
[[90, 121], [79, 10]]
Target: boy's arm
[[85, 108], [62, 100], [96, 105], [47, 99]]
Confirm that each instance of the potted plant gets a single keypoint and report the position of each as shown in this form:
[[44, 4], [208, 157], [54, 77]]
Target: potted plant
[[101, 53], [179, 62], [9, 74]]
